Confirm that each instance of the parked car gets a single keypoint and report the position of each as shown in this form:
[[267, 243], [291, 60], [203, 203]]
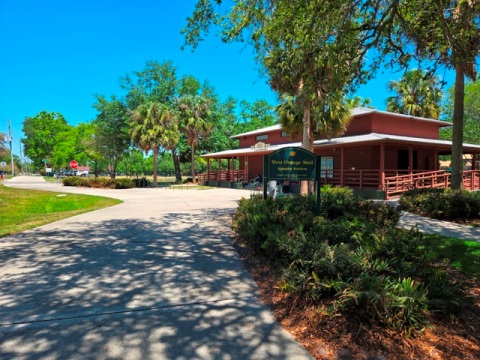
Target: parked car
[[82, 173]]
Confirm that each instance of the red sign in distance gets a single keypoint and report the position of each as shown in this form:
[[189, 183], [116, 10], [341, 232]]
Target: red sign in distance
[[73, 164]]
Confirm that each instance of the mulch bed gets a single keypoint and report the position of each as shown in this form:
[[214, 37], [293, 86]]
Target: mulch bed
[[336, 337]]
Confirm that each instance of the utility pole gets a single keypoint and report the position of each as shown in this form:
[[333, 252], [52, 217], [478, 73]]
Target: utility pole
[[21, 157], [11, 141]]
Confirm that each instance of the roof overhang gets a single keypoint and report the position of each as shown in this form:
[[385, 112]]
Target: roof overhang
[[371, 138]]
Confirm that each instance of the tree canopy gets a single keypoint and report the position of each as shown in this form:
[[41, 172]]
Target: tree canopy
[[472, 113], [195, 114], [417, 93], [41, 133], [312, 48], [444, 33], [112, 130], [154, 125]]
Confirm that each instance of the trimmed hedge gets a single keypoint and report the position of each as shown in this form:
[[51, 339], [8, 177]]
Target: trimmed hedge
[[98, 182]]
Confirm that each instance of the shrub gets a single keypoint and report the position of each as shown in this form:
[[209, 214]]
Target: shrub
[[260, 222], [380, 213], [335, 201], [443, 204], [400, 304], [98, 182], [123, 184], [355, 256], [142, 182], [72, 181]]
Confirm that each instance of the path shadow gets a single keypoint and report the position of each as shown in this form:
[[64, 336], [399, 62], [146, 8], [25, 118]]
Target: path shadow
[[168, 287]]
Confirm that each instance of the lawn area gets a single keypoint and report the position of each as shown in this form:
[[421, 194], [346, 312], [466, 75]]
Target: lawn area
[[25, 209], [463, 255]]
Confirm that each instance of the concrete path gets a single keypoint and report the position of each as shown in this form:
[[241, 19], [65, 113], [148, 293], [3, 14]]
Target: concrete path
[[153, 278], [445, 228]]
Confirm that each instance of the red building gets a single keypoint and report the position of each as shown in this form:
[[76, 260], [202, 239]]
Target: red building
[[380, 155]]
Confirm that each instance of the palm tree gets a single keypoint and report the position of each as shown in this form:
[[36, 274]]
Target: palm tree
[[417, 94], [328, 120], [195, 113], [154, 125]]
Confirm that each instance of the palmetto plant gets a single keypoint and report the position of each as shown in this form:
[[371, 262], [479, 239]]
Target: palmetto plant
[[154, 125], [195, 114]]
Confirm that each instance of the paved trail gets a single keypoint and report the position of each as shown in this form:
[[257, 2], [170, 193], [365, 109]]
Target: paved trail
[[153, 278]]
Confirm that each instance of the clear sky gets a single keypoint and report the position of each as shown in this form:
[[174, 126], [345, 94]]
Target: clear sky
[[56, 54]]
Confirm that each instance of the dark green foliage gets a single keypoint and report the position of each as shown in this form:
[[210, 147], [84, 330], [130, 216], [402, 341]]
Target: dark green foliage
[[336, 201], [102, 183], [353, 256], [443, 204], [98, 182], [74, 181], [142, 183], [401, 304], [257, 221], [123, 184], [377, 212]]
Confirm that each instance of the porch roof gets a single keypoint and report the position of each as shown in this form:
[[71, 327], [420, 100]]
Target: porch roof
[[347, 140], [375, 137]]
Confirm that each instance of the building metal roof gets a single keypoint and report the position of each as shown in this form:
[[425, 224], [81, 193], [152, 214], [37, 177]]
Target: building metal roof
[[258, 131], [356, 139], [358, 111]]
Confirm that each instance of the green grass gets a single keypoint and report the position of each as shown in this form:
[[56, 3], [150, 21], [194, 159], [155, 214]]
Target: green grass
[[25, 209], [462, 254]]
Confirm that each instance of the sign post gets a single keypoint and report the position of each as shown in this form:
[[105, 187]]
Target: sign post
[[292, 164], [3, 164]]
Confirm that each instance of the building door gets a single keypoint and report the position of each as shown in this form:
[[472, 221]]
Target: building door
[[402, 161]]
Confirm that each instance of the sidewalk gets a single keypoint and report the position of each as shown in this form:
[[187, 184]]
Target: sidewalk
[[155, 277], [445, 228]]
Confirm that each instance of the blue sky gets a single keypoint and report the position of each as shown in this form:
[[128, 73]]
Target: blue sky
[[56, 54]]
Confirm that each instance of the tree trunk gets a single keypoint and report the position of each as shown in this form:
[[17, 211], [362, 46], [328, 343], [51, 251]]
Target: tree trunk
[[113, 169], [306, 140], [457, 138], [155, 166], [193, 163], [96, 168], [176, 166]]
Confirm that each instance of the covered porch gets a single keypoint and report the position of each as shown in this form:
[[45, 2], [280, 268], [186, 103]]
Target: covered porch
[[373, 165]]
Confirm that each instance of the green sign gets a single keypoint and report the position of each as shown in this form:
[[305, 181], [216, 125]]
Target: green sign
[[291, 163]]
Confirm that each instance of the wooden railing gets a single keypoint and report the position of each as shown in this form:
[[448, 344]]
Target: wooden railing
[[393, 182], [360, 179], [225, 175], [398, 184], [471, 180]]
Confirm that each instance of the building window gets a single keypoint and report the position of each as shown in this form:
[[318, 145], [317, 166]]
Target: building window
[[285, 134], [261, 137], [326, 167]]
